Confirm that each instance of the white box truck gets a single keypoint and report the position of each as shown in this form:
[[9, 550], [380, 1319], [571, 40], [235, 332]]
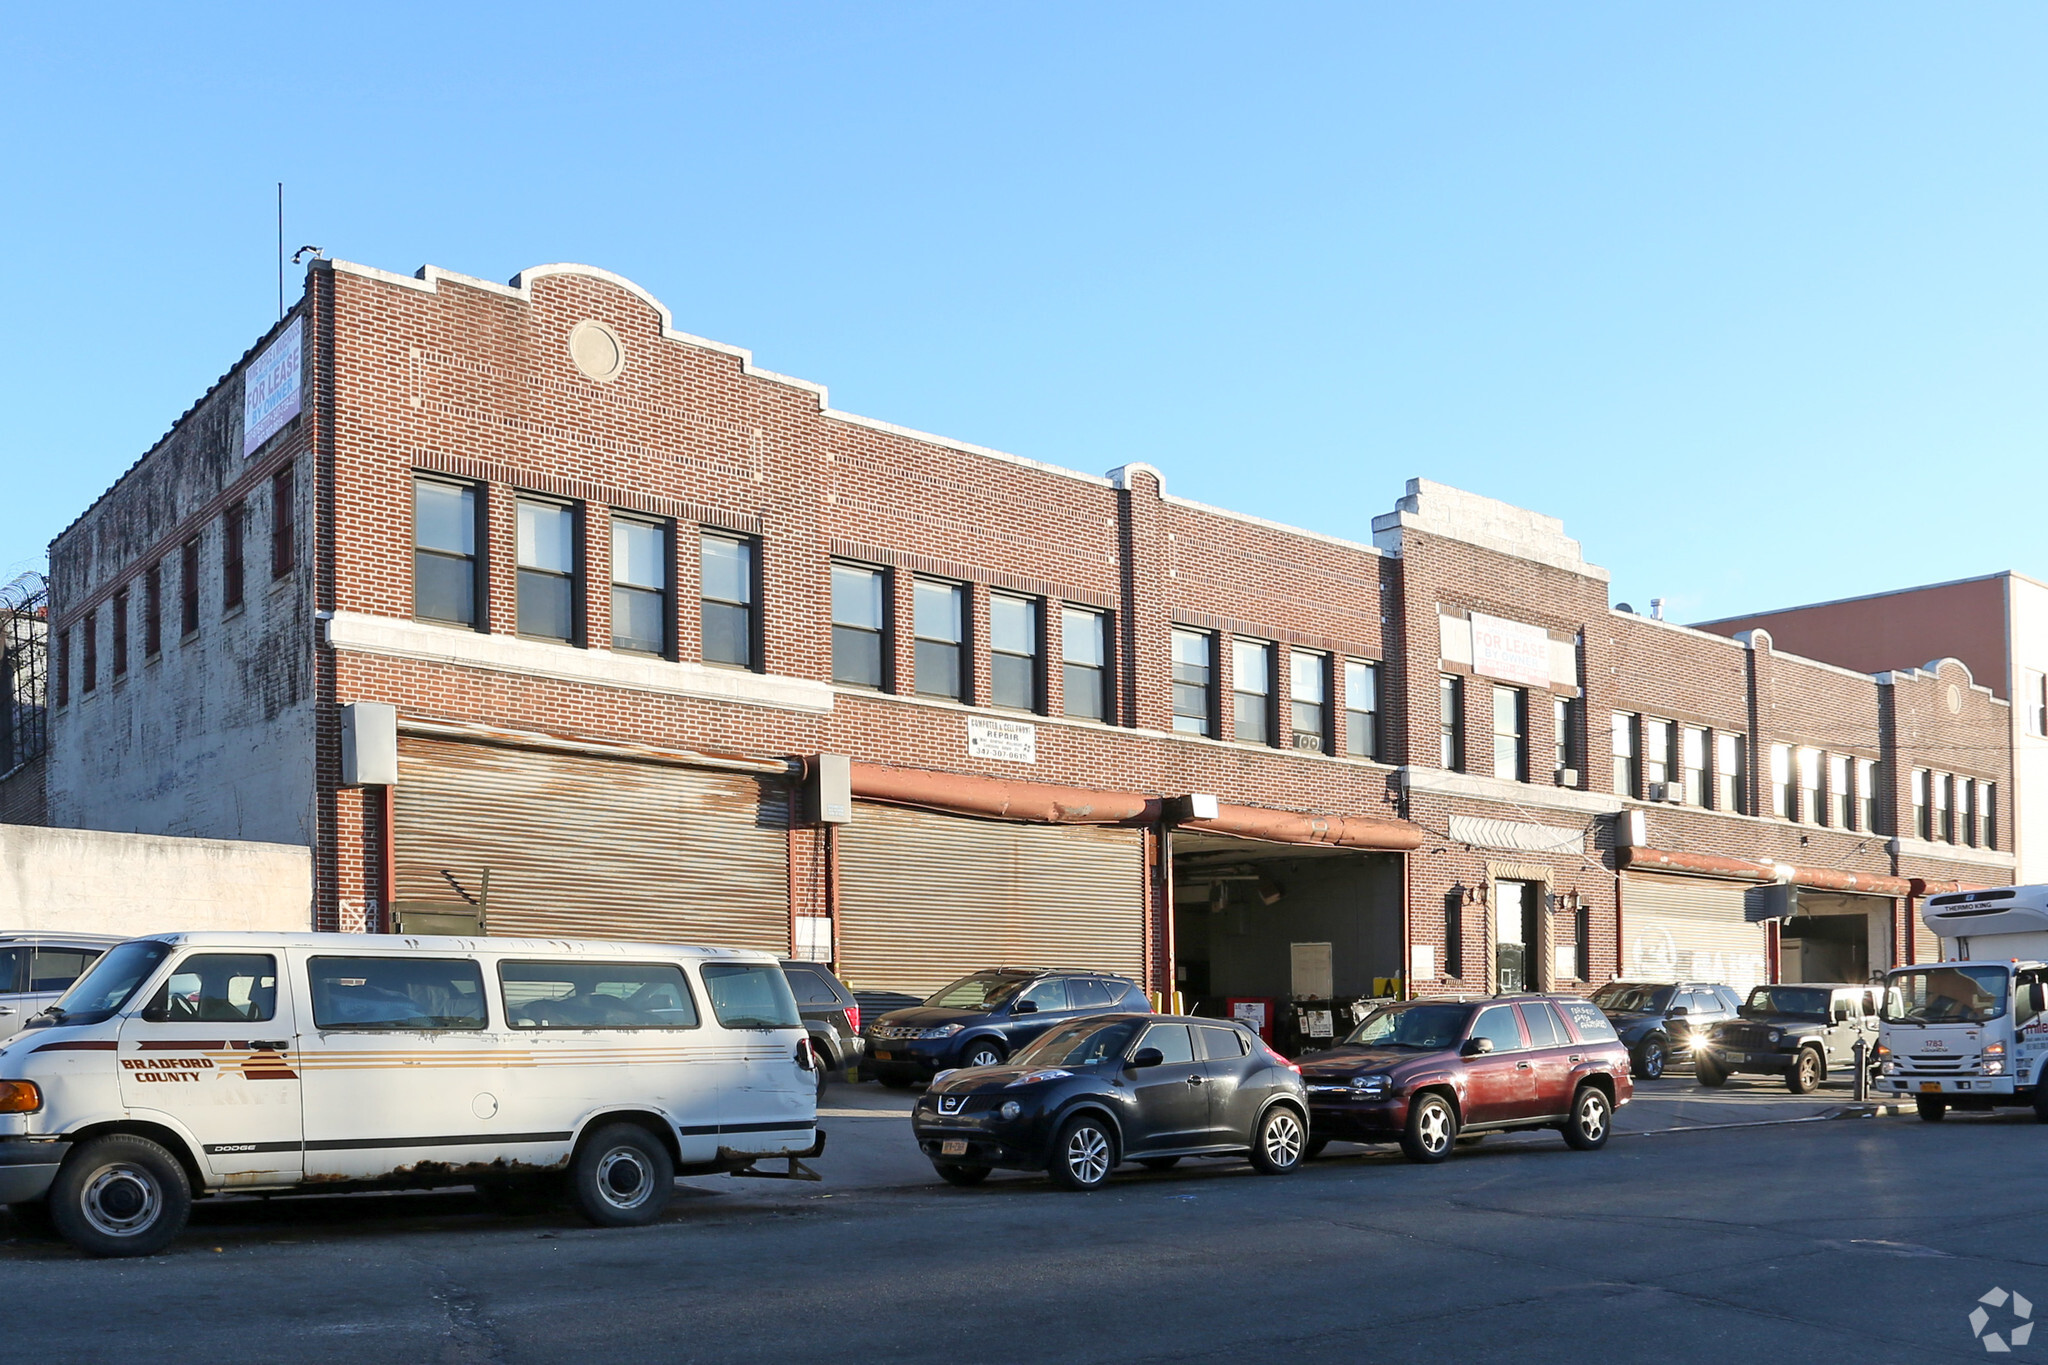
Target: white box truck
[[1971, 1031]]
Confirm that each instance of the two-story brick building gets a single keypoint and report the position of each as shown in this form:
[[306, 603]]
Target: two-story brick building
[[622, 587]]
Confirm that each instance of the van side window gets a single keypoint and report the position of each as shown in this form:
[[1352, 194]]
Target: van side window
[[596, 995], [217, 988], [750, 995], [396, 992], [54, 969]]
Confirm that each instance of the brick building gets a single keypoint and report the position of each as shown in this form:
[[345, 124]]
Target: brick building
[[621, 588]]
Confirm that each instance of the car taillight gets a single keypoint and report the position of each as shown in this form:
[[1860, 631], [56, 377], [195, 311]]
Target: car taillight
[[20, 1097], [853, 1018]]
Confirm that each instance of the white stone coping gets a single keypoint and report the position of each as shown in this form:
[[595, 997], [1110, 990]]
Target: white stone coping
[[393, 637], [1439, 782], [1951, 853]]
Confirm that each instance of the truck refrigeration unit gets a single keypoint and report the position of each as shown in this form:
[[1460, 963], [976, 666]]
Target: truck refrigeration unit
[[1971, 1031]]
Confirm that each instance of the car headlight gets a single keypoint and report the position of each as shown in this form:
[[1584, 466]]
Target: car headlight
[[1994, 1068], [1372, 1085], [1889, 1067], [1777, 1035], [1010, 1110], [942, 1031], [1034, 1077]]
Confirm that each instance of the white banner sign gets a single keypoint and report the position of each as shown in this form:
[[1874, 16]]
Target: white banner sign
[[1510, 651], [1011, 741], [270, 390]]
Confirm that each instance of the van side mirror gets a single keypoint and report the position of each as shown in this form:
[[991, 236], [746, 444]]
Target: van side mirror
[[1476, 1047], [1147, 1056], [1024, 1007]]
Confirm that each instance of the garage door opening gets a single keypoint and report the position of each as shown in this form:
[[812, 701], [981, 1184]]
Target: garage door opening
[[1835, 936], [1298, 935]]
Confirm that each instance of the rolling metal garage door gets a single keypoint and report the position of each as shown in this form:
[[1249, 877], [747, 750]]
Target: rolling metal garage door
[[585, 847], [927, 898], [1690, 929]]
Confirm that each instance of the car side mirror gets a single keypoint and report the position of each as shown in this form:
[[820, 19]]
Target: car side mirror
[[1677, 1010], [1147, 1056], [1476, 1047], [1841, 1014], [1024, 1007]]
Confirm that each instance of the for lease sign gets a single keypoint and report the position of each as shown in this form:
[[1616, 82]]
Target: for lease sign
[[270, 389], [1510, 650]]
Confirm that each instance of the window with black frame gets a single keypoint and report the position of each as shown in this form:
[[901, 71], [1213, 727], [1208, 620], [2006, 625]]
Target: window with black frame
[[640, 600], [444, 576], [941, 626], [859, 636], [411, 993], [729, 575], [1084, 654], [587, 995], [548, 596], [1013, 636], [1361, 709]]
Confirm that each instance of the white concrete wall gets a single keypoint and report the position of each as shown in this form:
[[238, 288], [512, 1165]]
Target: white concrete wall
[[88, 881], [2027, 620]]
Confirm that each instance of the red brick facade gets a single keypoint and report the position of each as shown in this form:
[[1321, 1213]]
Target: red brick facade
[[448, 376]]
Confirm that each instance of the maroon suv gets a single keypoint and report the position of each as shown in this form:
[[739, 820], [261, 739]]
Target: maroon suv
[[1425, 1071]]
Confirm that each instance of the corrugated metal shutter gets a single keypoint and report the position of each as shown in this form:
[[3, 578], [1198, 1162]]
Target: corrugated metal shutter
[[587, 847], [1690, 929], [927, 898]]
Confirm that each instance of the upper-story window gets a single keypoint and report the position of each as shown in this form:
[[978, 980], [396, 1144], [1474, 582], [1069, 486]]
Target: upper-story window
[[1013, 636], [63, 668], [1308, 686], [118, 618], [1783, 795], [1194, 707], [1511, 734], [1450, 722], [188, 587], [1731, 772], [1084, 654], [1625, 775], [729, 573], [234, 527], [1564, 720], [1923, 816], [1987, 798], [640, 611], [858, 625], [1692, 760], [1969, 825], [445, 581], [283, 523], [547, 570], [1944, 808], [1841, 797], [89, 640], [1657, 756], [1866, 795], [153, 610], [941, 636], [1809, 786], [1361, 709], [1251, 687]]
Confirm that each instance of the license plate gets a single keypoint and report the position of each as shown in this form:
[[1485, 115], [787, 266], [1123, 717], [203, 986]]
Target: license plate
[[885, 1056], [953, 1147], [1930, 1087]]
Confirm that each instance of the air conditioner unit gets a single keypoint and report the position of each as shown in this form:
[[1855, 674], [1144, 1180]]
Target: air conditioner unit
[[1671, 793], [1567, 777], [1308, 742]]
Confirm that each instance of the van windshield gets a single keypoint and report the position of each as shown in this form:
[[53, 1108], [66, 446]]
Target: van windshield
[[750, 995], [1945, 995], [108, 984]]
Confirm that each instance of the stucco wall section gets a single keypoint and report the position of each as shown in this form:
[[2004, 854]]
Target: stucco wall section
[[86, 881]]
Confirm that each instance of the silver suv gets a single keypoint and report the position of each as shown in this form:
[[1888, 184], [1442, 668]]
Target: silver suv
[[37, 967]]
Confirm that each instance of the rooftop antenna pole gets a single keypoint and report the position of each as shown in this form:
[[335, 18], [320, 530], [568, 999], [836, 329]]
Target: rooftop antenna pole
[[280, 248]]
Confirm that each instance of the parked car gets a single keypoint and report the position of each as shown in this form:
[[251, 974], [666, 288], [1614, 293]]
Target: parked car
[[831, 1015], [1657, 1022], [1095, 1092], [981, 1020], [190, 1064], [1428, 1071], [1800, 1032], [36, 968]]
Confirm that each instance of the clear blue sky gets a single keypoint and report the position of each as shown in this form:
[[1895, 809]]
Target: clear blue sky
[[1751, 296]]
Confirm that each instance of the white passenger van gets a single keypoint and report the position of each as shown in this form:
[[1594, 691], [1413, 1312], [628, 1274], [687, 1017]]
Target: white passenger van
[[201, 1063]]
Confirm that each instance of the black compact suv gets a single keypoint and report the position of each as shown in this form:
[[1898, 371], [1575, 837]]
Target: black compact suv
[[830, 1014], [981, 1020], [1800, 1032], [1659, 1021]]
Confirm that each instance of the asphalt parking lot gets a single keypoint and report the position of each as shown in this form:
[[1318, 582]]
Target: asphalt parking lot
[[1793, 1237]]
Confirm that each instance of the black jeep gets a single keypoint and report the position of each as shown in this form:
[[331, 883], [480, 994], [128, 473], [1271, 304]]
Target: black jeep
[[1800, 1032]]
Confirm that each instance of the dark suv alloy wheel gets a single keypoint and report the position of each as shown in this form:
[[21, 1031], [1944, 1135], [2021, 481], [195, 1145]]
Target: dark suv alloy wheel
[[984, 1052], [1592, 1120], [1804, 1077], [120, 1195], [1650, 1058], [1279, 1143], [1083, 1154], [1432, 1129]]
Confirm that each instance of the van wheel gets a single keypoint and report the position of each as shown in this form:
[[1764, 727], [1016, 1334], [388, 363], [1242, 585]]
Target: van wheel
[[120, 1195], [1930, 1109], [955, 1174], [1804, 1077], [1278, 1144], [622, 1177], [1708, 1074], [1432, 1130], [1083, 1154], [1592, 1120]]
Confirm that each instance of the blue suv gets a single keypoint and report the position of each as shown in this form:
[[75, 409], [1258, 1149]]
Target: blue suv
[[981, 1020]]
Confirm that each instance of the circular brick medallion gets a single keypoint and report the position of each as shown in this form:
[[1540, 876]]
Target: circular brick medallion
[[597, 351]]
